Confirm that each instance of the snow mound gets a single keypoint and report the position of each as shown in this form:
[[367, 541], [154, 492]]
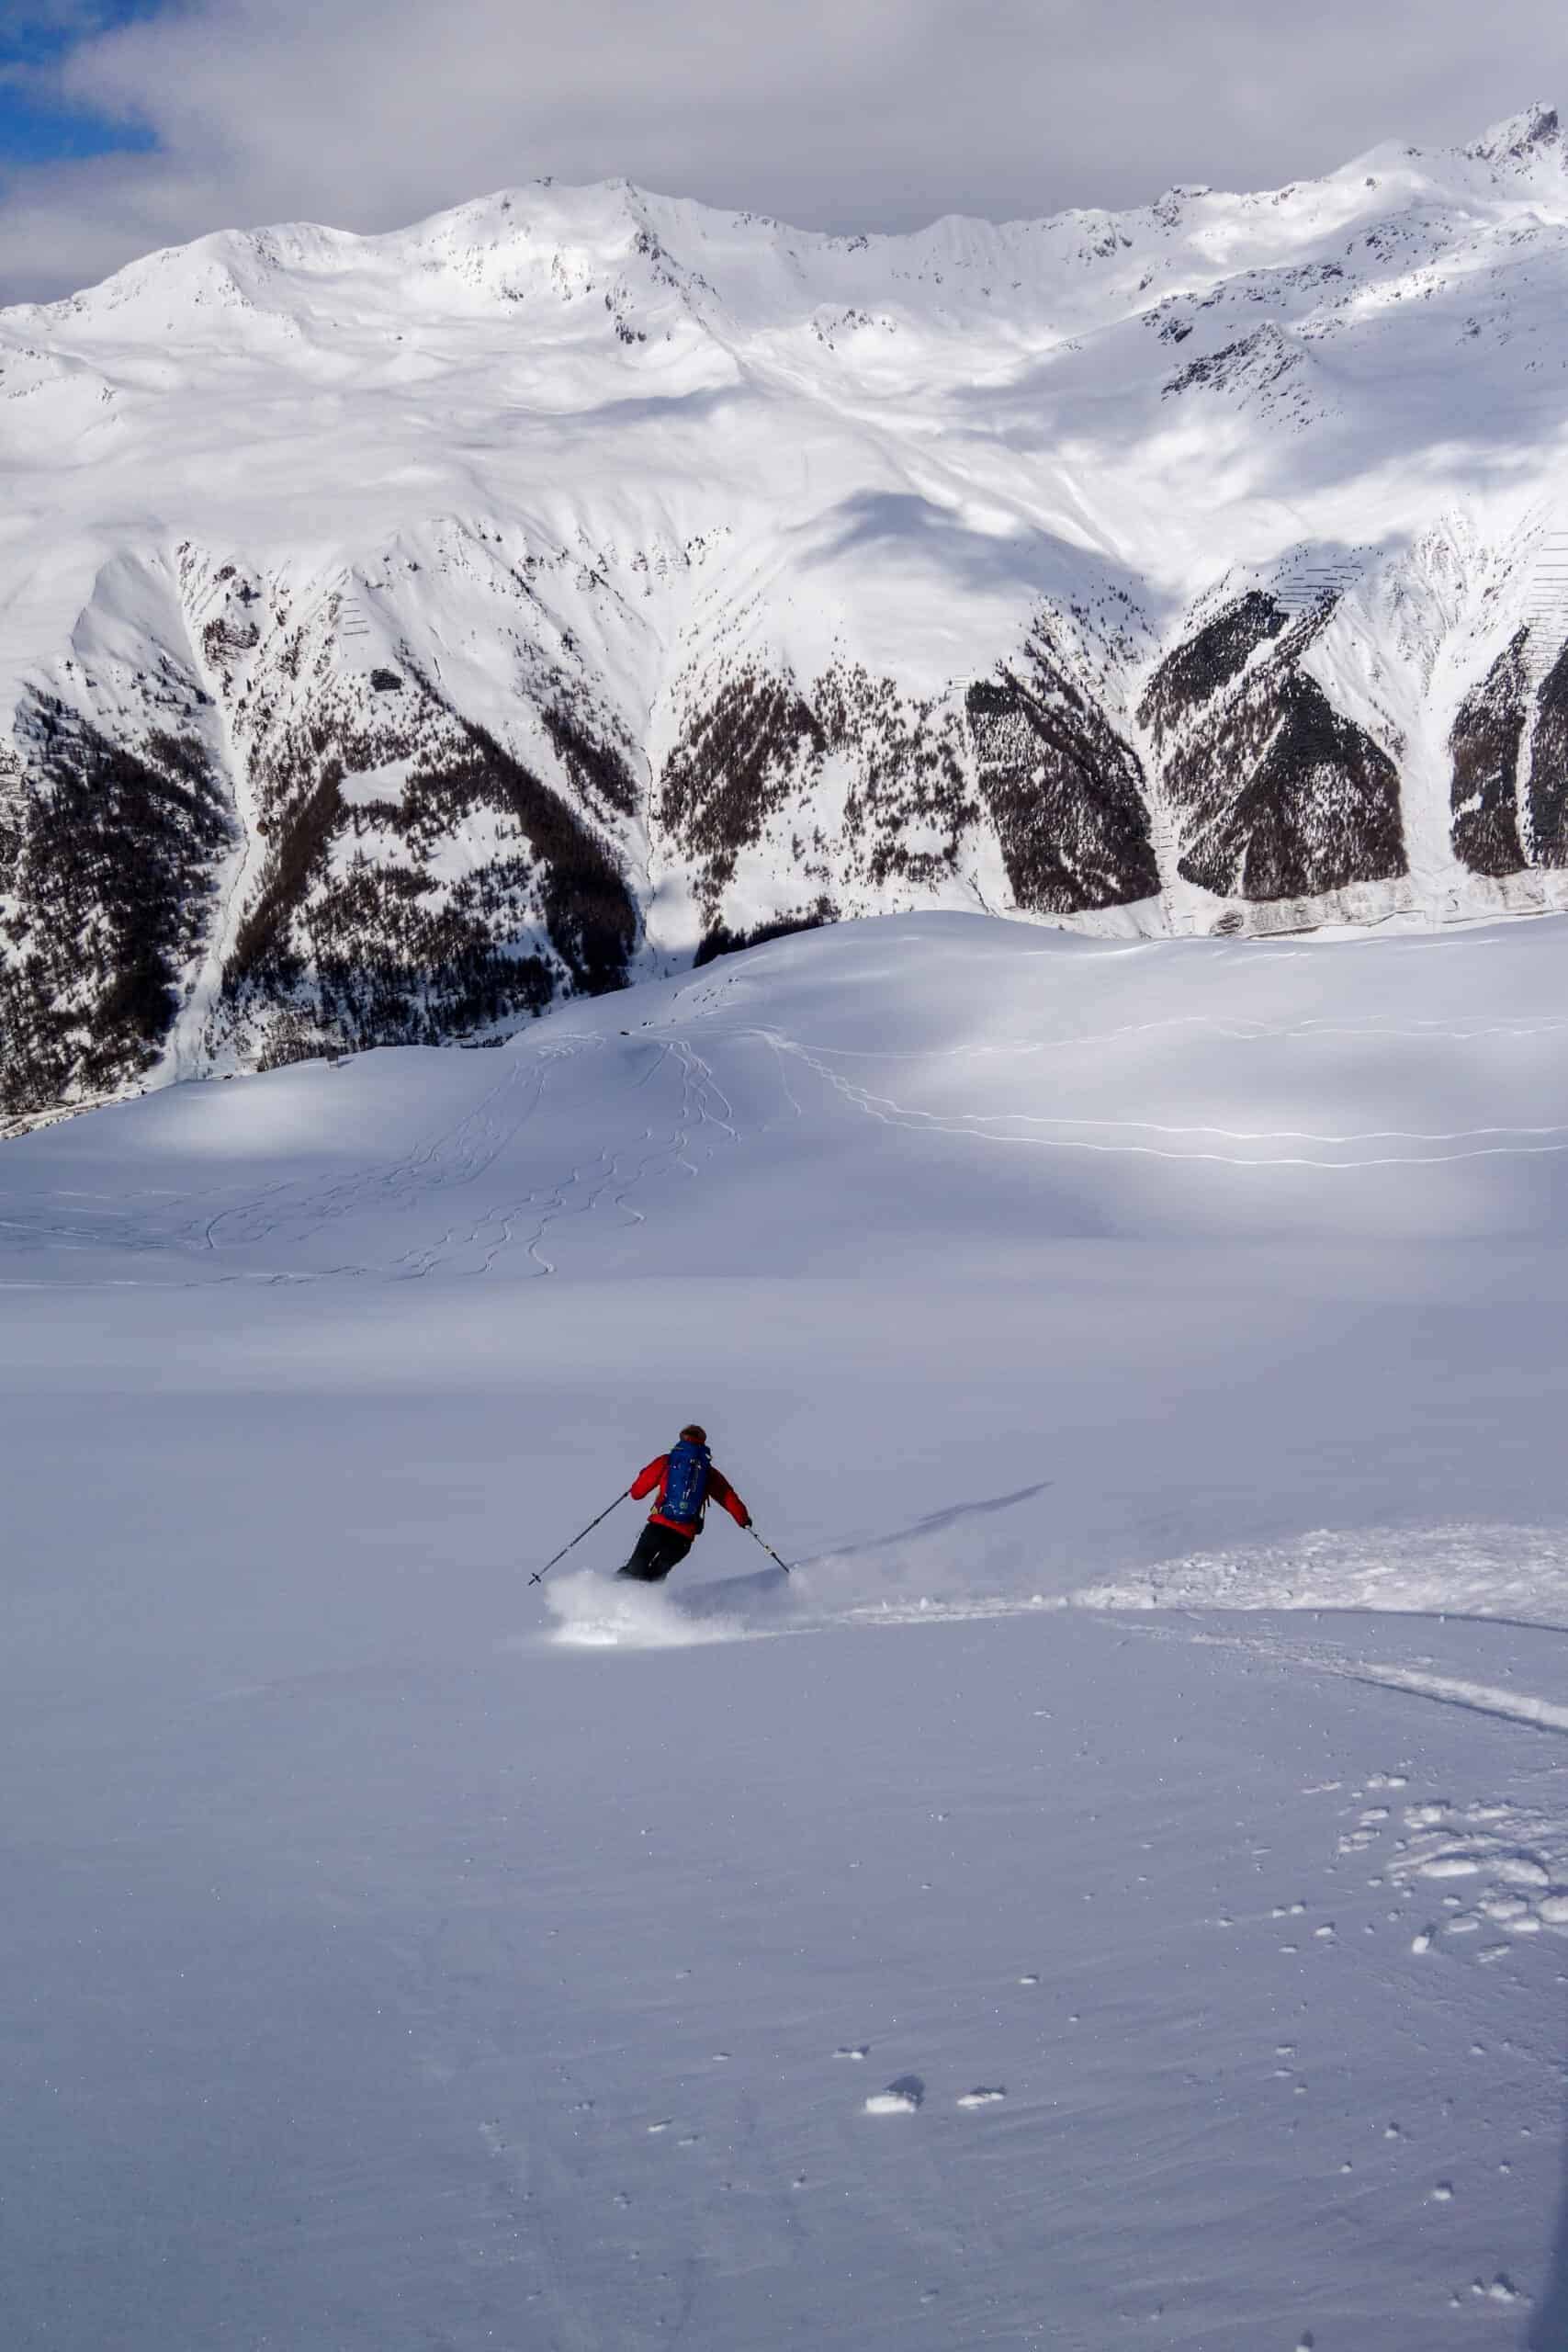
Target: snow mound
[[1451, 1570], [905, 2097]]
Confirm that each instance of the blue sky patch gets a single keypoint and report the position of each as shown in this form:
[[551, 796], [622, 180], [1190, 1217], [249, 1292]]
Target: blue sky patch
[[36, 124]]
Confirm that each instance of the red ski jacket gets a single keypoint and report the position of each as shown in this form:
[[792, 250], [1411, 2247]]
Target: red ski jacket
[[720, 1491]]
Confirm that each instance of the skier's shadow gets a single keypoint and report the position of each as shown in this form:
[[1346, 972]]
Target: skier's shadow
[[767, 1589], [771, 1585], [937, 1520]]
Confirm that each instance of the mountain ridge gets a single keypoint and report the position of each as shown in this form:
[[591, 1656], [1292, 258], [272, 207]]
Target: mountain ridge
[[397, 633]]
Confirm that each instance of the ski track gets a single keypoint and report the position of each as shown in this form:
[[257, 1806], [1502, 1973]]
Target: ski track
[[691, 1114], [697, 1114], [1540, 1714], [1510, 1857], [1403, 1881], [453, 1159], [1472, 1879], [1401, 1874], [991, 1126]]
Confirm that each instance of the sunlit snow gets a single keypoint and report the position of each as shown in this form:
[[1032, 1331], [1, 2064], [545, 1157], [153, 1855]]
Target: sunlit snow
[[1111, 1893]]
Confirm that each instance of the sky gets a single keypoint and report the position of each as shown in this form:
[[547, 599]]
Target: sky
[[128, 124]]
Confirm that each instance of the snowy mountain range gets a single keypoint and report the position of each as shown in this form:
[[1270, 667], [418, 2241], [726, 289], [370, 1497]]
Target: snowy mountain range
[[399, 633]]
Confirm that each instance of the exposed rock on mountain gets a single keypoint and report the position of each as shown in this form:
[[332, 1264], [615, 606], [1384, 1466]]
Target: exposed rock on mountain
[[1065, 792], [1548, 787], [108, 857], [1279, 795], [1485, 747]]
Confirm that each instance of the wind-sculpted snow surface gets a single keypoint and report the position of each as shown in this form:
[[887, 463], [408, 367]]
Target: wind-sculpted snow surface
[[1110, 1893], [400, 633]]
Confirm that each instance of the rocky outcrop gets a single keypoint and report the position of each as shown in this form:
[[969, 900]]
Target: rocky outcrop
[[750, 748], [848, 786], [1277, 794], [1547, 789], [360, 935], [1064, 790], [1483, 745], [414, 878], [109, 856]]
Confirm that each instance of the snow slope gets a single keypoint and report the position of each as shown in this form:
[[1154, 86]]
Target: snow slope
[[1112, 1893], [397, 633]]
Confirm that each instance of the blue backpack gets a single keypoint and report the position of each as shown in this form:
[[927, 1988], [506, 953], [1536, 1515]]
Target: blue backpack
[[685, 1481]]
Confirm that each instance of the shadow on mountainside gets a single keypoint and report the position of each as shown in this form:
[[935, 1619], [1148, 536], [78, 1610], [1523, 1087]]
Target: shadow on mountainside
[[983, 562], [690, 407]]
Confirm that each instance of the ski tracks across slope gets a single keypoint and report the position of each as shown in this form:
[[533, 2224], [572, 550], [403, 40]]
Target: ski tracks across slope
[[1477, 1871]]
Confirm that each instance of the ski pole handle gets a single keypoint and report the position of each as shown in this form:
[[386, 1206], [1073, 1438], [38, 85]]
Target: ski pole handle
[[539, 1574]]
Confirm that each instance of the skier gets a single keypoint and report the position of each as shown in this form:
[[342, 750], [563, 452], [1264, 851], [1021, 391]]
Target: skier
[[686, 1481]]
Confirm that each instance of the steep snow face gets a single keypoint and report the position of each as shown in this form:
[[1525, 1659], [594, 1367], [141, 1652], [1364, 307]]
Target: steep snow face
[[396, 633]]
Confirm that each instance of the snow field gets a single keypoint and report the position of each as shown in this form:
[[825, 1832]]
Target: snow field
[[1105, 1921]]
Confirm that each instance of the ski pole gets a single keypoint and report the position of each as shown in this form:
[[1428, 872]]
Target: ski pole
[[768, 1549], [565, 1548]]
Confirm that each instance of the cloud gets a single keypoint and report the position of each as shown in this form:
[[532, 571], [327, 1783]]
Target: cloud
[[831, 113]]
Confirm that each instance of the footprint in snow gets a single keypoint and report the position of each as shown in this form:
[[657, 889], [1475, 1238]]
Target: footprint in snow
[[855, 2049], [904, 2097], [983, 2095], [1460, 1865]]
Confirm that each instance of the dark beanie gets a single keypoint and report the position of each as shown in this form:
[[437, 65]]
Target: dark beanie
[[692, 1435]]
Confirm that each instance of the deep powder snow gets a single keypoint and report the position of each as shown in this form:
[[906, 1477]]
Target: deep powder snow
[[1111, 1894]]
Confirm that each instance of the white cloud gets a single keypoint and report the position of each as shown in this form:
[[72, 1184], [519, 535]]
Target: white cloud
[[849, 113]]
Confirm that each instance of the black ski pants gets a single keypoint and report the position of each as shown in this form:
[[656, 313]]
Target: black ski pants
[[659, 1549]]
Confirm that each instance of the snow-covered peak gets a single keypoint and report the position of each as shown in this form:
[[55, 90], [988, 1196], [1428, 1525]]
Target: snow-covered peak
[[1522, 138], [544, 239], [582, 577]]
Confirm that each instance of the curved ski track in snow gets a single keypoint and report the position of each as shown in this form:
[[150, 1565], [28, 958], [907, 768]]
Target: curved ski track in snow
[[698, 1118]]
